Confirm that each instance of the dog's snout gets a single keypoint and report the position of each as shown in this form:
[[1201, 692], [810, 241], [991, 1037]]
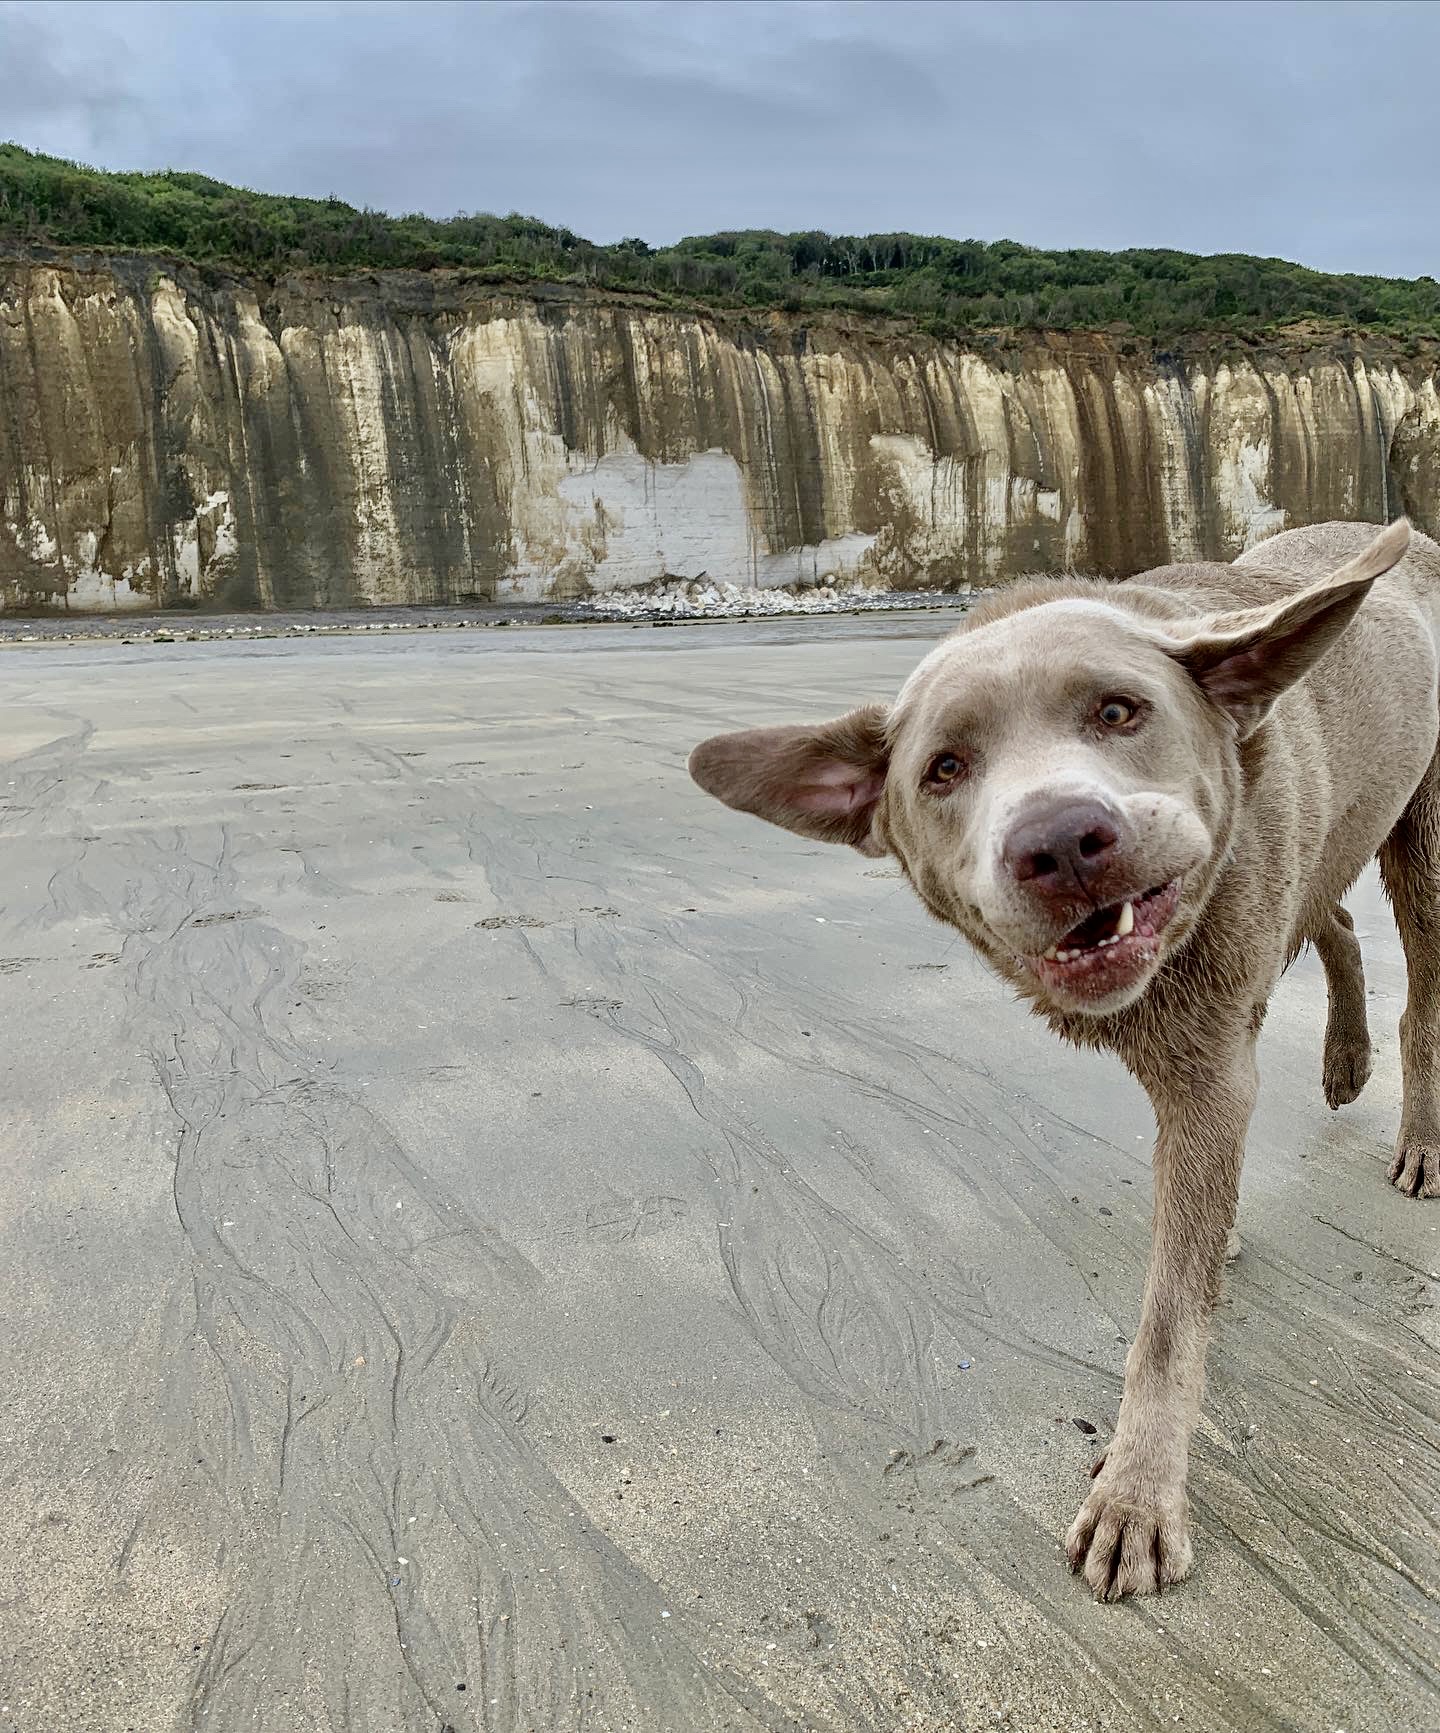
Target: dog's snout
[[1063, 847]]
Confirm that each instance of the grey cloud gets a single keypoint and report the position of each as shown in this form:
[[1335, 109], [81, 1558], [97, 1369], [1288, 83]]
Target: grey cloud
[[1299, 130]]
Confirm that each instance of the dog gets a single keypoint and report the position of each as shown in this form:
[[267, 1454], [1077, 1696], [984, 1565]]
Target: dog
[[1138, 801]]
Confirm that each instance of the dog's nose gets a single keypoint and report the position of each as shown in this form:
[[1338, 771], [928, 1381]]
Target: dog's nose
[[1064, 847]]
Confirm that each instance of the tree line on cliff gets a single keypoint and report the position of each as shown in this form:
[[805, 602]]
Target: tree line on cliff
[[946, 287]]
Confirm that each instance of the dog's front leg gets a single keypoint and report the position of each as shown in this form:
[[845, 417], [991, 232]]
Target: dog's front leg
[[1130, 1536]]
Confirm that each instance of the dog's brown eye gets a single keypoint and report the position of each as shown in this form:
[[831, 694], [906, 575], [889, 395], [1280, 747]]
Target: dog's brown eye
[[1116, 712], [946, 768]]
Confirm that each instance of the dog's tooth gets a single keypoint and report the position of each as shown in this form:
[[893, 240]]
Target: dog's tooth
[[1126, 924], [1052, 955]]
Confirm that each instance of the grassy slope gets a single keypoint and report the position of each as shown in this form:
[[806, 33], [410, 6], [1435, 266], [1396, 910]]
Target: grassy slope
[[944, 287]]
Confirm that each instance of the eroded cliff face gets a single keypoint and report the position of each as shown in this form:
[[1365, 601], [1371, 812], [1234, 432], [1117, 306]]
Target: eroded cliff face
[[168, 438]]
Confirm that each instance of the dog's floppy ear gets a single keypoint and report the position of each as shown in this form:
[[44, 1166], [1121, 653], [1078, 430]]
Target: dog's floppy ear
[[1243, 661], [823, 781]]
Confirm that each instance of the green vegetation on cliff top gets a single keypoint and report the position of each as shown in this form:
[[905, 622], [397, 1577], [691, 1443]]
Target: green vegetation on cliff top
[[946, 287]]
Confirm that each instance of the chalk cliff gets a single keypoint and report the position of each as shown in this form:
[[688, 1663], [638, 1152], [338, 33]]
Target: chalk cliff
[[169, 436]]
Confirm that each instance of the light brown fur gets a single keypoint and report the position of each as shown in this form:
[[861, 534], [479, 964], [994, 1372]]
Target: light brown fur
[[1284, 732]]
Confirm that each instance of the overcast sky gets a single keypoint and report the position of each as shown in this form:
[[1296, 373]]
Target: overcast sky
[[1307, 131]]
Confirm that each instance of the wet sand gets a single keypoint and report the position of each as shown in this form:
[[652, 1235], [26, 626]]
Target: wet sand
[[491, 1240]]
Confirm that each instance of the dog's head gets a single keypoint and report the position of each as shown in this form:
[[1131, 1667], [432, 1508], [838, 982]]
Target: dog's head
[[1060, 782]]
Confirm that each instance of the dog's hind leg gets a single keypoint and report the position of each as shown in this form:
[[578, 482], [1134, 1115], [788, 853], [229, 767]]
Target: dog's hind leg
[[1347, 1033], [1410, 871]]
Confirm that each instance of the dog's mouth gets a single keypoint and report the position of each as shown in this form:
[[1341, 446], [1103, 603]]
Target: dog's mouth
[[1112, 948]]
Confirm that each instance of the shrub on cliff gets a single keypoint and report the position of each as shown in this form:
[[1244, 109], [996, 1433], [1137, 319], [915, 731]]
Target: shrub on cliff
[[946, 287]]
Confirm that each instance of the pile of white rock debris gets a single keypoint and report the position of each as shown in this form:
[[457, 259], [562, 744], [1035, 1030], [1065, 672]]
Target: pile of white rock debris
[[699, 598]]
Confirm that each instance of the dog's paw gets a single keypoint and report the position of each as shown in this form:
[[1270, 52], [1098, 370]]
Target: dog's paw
[[1416, 1169], [1347, 1069], [1129, 1545]]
